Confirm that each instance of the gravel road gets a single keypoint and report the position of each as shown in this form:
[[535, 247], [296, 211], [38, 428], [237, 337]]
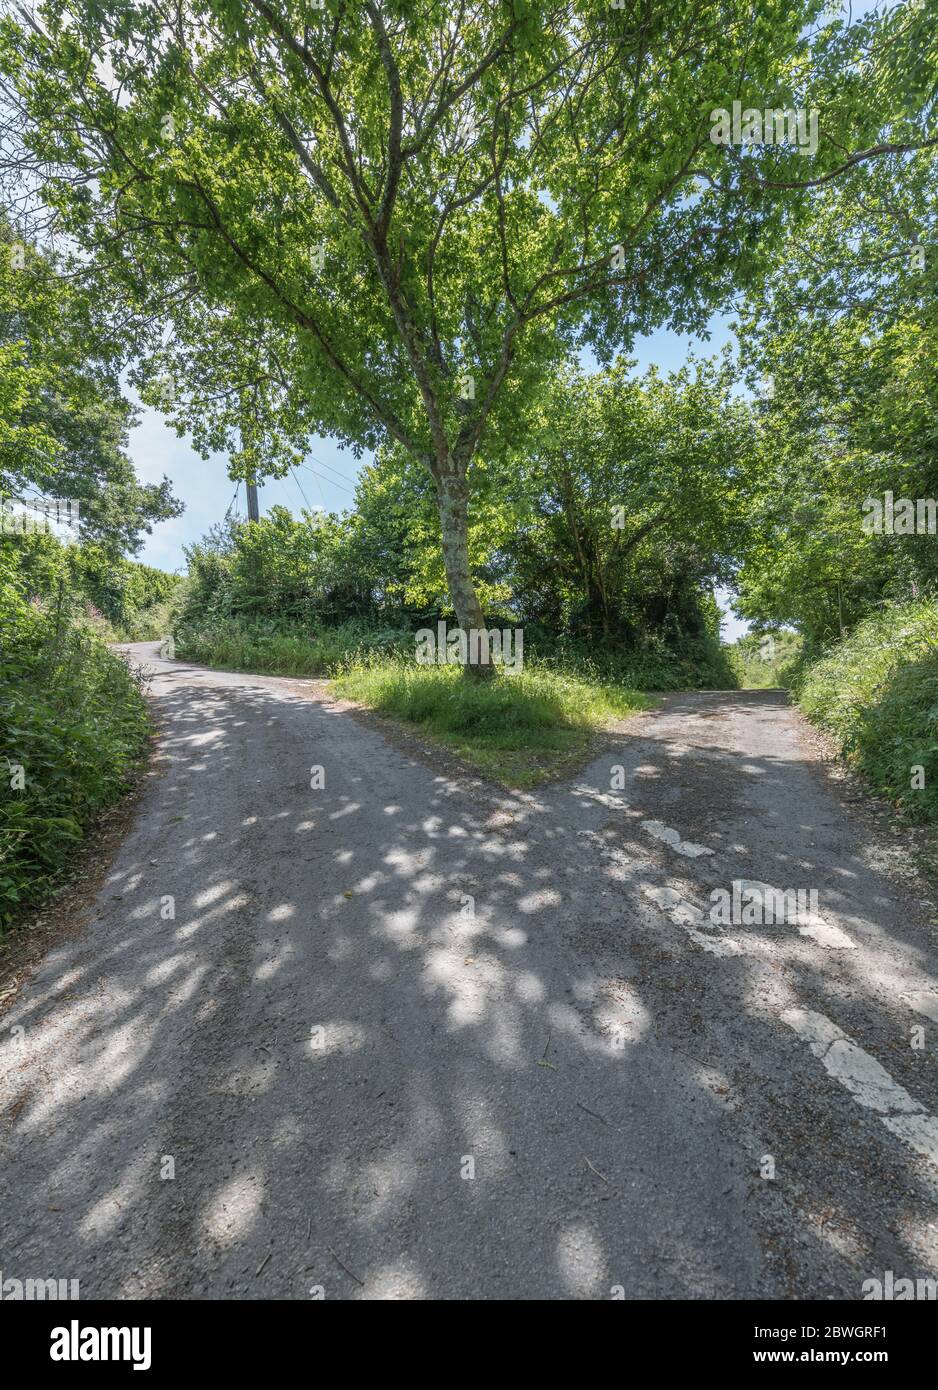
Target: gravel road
[[397, 1034]]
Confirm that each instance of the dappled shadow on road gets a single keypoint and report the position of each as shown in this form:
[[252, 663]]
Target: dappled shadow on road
[[394, 1038]]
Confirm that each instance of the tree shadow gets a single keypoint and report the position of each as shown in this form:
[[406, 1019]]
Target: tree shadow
[[403, 1038]]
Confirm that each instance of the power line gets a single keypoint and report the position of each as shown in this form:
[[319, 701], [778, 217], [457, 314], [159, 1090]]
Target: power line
[[332, 469], [300, 486], [349, 490], [322, 476], [322, 493]]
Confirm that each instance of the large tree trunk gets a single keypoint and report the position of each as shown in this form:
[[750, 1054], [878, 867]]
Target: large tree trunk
[[453, 504]]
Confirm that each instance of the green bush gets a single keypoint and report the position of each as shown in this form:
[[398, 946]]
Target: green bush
[[687, 663], [150, 624], [286, 648], [762, 668], [282, 569], [73, 722], [877, 693], [133, 599], [282, 648]]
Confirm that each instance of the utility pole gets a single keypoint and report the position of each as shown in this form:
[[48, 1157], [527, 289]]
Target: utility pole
[[248, 440]]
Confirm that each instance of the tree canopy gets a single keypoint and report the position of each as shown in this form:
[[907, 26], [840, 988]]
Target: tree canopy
[[846, 331], [64, 421], [390, 222]]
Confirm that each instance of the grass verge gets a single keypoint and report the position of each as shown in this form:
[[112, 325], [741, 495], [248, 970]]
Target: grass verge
[[876, 692], [519, 729], [283, 649], [73, 726]]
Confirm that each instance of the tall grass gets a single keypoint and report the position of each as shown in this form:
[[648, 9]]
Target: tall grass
[[283, 649], [691, 663], [877, 693], [518, 728], [73, 722]]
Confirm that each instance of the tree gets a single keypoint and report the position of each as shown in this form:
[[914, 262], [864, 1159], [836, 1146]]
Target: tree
[[846, 330], [390, 221], [63, 420], [636, 483], [629, 501]]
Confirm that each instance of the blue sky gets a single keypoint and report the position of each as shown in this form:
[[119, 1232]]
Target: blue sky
[[328, 478]]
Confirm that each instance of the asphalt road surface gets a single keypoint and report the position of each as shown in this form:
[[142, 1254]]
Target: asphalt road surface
[[403, 1035]]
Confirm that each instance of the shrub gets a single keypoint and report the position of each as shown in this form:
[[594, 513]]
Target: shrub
[[876, 691], [73, 722], [759, 668], [283, 648]]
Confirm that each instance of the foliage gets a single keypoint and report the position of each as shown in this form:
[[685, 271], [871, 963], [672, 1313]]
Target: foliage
[[128, 595], [627, 505], [343, 220], [846, 331], [283, 648], [63, 421], [877, 693], [72, 718], [763, 660], [73, 723], [301, 570]]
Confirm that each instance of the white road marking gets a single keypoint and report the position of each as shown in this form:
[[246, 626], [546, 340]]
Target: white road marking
[[610, 799], [690, 917], [920, 1132], [926, 1003], [812, 924], [867, 1081], [663, 832]]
